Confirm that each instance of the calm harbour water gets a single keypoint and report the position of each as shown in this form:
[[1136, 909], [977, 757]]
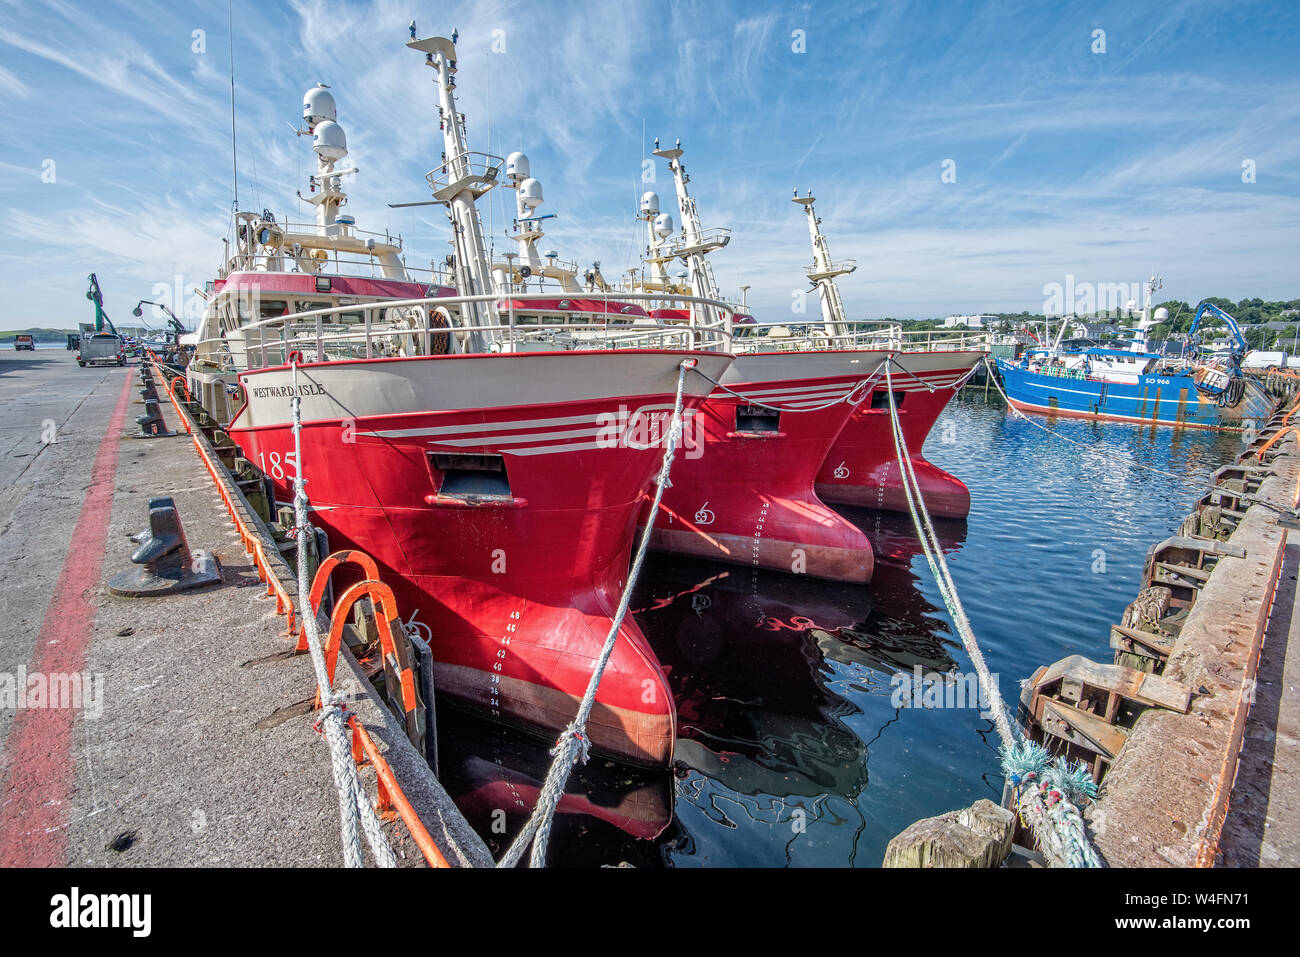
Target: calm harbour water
[[791, 751]]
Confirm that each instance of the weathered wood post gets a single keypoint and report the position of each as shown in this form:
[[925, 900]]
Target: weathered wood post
[[977, 836]]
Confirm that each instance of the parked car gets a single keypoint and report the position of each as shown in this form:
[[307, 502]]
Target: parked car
[[101, 349], [24, 342]]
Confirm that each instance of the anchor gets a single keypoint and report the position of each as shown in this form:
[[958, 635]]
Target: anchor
[[164, 562]]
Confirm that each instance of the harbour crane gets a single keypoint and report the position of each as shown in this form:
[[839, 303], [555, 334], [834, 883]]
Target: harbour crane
[[97, 297], [1240, 346]]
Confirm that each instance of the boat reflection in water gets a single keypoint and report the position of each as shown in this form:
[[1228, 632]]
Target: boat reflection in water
[[782, 686], [494, 773]]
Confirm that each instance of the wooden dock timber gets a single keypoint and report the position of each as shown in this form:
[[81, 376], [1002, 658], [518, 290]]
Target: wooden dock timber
[[1166, 797]]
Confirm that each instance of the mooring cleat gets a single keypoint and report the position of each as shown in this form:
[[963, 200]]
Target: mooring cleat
[[151, 423], [164, 563]]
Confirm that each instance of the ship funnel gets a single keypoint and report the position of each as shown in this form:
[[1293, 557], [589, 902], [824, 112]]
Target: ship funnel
[[663, 225], [517, 167], [649, 205], [530, 193], [331, 144], [318, 105]]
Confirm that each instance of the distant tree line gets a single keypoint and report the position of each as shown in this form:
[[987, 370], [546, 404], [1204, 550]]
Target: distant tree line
[[1251, 315]]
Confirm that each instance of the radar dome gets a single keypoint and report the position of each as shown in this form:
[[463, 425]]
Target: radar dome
[[331, 143], [1161, 314], [517, 167], [318, 105], [530, 193], [650, 204], [663, 225]]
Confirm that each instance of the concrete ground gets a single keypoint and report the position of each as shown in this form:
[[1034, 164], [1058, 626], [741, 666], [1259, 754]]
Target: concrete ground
[[1263, 824], [204, 753], [1211, 786]]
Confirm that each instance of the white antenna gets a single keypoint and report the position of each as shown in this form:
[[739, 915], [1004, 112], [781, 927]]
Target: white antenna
[[234, 156]]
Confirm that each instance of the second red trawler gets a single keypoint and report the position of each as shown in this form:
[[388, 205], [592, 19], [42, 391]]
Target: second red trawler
[[862, 466], [748, 497]]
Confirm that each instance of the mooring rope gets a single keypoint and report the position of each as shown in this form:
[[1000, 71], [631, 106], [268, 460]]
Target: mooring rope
[[1183, 479], [939, 568], [930, 386], [858, 387], [353, 802], [573, 746], [1047, 793]]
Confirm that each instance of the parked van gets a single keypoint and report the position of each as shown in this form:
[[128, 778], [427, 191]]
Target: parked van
[[101, 349], [1259, 360]]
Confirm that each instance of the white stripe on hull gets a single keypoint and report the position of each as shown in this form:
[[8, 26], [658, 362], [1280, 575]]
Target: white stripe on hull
[[363, 388]]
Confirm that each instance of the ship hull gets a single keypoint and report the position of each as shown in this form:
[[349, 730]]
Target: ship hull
[[1151, 399], [513, 583], [862, 466], [743, 493]]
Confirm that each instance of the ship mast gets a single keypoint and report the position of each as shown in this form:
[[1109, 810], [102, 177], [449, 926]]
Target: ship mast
[[823, 271], [695, 244], [458, 183], [1144, 323], [528, 231], [331, 146], [659, 226], [263, 244]]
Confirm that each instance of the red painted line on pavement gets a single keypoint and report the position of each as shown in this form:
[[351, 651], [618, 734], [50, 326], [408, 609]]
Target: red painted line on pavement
[[39, 771]]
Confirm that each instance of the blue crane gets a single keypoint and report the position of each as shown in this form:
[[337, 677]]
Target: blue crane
[[1240, 346]]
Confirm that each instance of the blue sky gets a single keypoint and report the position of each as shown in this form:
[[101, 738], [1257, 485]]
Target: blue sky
[[1103, 166]]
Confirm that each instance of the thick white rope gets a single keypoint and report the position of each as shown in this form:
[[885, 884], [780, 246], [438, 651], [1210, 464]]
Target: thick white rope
[[939, 568], [573, 746], [846, 397], [1054, 819], [353, 802]]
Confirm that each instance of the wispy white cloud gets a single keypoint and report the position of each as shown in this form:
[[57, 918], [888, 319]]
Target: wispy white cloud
[[11, 87], [1103, 166]]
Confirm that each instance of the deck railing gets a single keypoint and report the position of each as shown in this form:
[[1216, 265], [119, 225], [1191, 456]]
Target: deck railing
[[408, 327]]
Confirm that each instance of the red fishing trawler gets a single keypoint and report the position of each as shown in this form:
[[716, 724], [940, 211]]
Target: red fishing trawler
[[491, 450]]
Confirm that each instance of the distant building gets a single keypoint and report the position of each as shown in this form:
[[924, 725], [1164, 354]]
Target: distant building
[[967, 322], [1094, 330]]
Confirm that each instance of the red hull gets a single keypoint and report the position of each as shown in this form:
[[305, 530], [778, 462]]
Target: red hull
[[862, 466], [744, 492], [515, 591]]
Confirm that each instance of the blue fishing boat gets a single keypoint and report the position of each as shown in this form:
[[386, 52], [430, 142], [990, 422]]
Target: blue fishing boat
[[1133, 384]]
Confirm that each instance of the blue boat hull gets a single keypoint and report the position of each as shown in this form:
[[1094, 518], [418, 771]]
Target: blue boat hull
[[1154, 399]]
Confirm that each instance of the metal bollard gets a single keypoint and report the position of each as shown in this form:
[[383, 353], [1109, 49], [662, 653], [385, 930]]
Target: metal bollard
[[164, 563], [150, 388], [151, 423]]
